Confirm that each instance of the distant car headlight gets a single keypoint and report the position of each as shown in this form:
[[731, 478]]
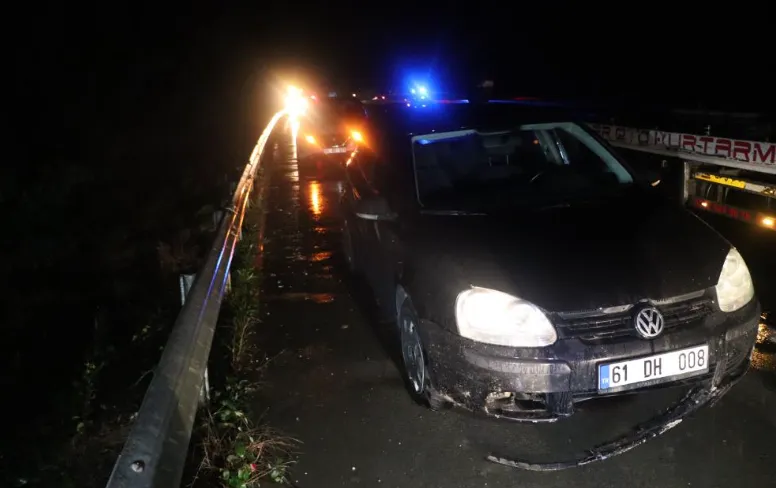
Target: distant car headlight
[[734, 287], [494, 317]]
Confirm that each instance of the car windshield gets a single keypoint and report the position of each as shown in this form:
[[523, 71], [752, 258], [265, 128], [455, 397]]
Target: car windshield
[[539, 164]]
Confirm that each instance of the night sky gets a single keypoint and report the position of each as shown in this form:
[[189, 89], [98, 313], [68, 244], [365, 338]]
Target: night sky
[[105, 67], [592, 48]]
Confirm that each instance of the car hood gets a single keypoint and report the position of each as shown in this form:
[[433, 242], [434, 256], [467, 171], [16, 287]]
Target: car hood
[[573, 258]]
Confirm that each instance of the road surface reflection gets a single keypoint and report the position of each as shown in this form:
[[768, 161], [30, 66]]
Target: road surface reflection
[[316, 200]]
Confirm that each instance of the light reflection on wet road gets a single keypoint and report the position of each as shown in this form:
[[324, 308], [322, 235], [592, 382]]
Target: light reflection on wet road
[[336, 388]]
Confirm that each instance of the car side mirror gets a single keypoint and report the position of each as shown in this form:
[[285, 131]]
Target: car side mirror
[[374, 208]]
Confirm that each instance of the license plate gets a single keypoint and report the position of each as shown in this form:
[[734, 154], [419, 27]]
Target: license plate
[[674, 364], [335, 150]]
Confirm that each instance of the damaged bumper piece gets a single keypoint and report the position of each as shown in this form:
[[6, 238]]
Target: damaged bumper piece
[[696, 398]]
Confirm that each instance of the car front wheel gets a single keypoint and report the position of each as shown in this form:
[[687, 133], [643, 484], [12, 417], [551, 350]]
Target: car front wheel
[[415, 362]]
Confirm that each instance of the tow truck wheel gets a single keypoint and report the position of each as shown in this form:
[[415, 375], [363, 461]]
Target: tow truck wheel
[[415, 361]]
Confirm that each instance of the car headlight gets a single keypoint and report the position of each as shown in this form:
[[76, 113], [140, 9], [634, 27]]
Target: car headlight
[[734, 287], [494, 317]]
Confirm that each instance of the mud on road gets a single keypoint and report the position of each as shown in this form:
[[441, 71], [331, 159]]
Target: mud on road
[[336, 385]]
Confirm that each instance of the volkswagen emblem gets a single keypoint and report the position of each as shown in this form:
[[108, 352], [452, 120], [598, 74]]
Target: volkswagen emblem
[[649, 322]]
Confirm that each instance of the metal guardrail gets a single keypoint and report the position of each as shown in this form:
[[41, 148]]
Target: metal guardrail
[[155, 451]]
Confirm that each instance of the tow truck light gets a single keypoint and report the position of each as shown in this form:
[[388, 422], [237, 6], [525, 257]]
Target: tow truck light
[[767, 221], [356, 135], [296, 104], [309, 139]]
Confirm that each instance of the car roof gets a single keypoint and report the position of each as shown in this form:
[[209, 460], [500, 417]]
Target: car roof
[[403, 120]]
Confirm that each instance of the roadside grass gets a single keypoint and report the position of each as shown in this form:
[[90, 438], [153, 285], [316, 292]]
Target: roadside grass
[[233, 450]]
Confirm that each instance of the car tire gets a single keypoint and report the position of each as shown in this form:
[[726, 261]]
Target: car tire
[[348, 249], [415, 361]]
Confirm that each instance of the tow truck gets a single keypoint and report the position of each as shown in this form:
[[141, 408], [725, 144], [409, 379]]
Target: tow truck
[[730, 177], [329, 130]]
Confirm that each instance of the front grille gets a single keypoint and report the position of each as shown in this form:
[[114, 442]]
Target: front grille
[[608, 326]]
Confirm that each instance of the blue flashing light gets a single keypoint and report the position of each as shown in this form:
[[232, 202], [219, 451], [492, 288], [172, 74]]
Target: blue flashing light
[[419, 91]]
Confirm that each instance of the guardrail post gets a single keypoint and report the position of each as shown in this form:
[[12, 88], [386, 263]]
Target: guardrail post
[[217, 216], [186, 282]]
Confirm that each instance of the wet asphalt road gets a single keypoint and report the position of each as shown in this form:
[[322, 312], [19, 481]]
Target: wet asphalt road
[[335, 385]]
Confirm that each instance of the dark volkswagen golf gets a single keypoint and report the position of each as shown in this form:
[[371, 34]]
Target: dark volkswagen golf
[[528, 268]]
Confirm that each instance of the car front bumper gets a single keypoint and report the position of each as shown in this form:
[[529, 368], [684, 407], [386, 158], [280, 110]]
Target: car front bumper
[[544, 384]]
